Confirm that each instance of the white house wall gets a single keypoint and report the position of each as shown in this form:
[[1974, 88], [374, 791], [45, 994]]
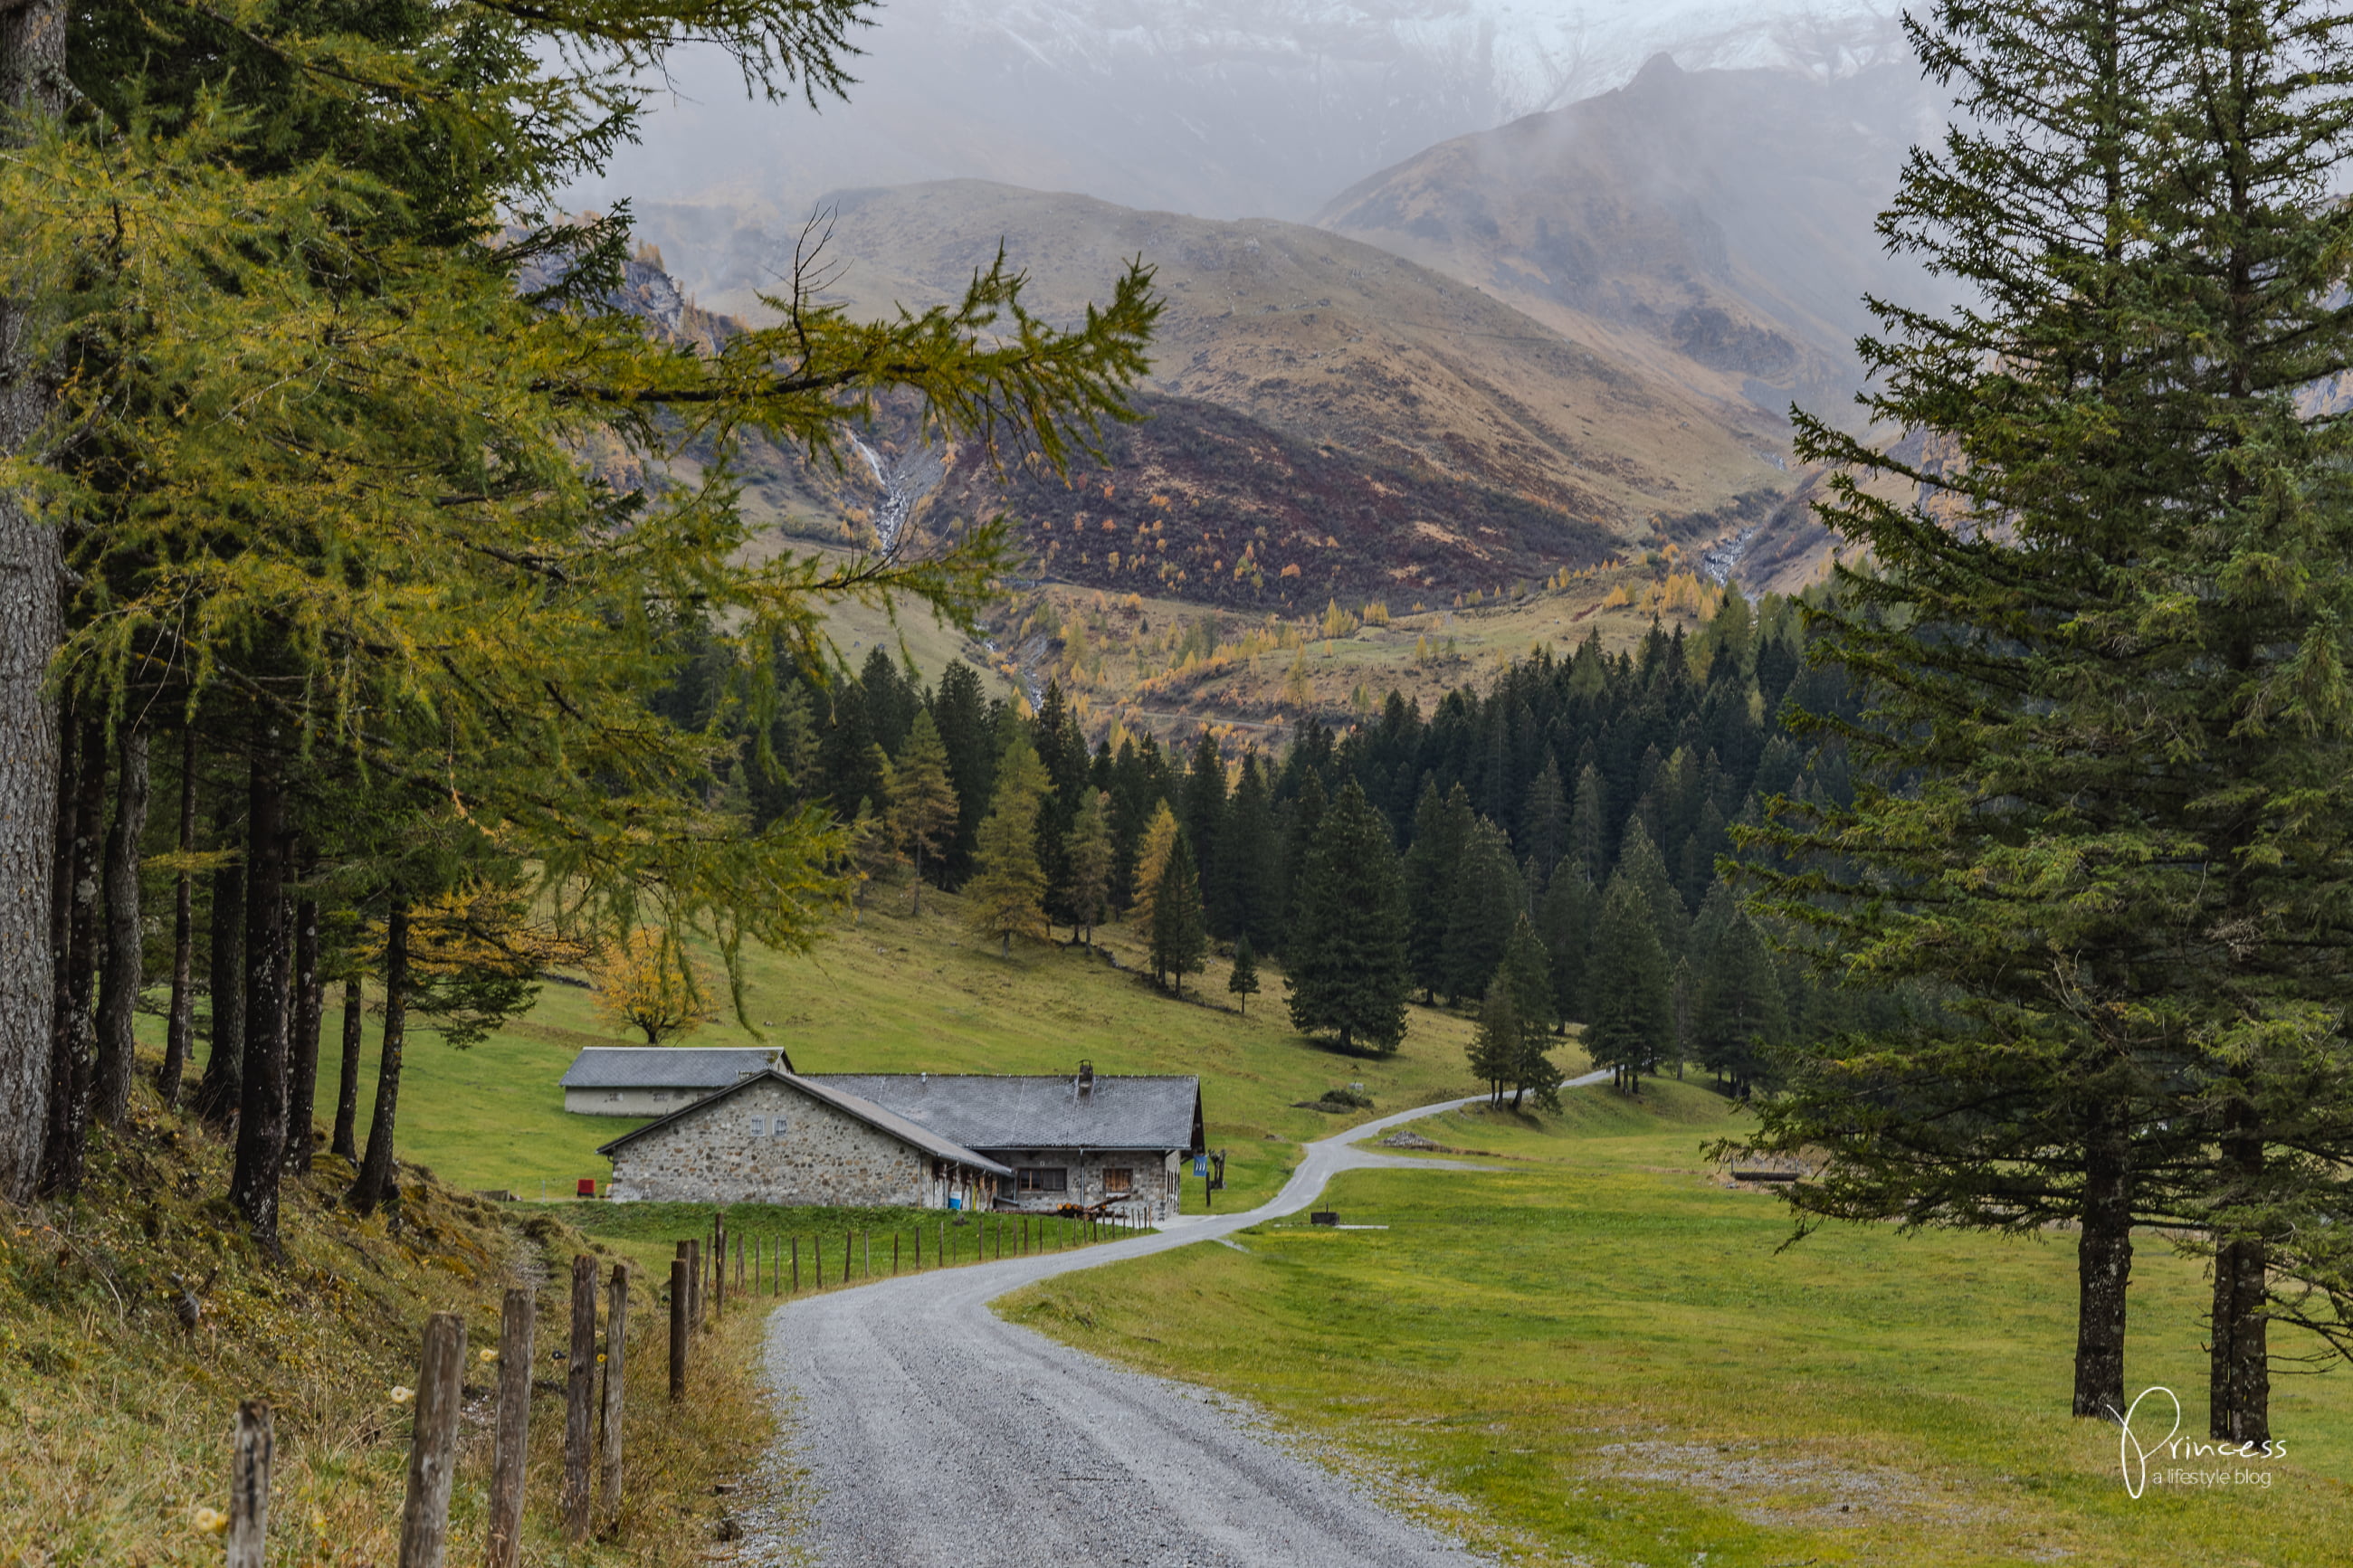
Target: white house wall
[[639, 1103]]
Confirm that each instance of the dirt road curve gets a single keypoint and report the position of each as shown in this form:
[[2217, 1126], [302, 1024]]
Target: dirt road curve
[[939, 1437]]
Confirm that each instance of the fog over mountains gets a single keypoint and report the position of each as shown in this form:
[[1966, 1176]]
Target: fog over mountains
[[1663, 212], [1215, 108]]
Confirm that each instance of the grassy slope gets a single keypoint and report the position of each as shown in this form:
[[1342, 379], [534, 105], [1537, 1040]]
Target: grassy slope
[[1600, 1353], [115, 1423], [907, 994]]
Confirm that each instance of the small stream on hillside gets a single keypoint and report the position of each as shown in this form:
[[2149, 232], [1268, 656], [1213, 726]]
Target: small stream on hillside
[[906, 480]]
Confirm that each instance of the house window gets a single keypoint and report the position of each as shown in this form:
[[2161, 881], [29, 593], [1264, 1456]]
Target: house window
[[759, 1127], [613, 1098], [1118, 1179], [777, 1130], [661, 1094], [1043, 1178]]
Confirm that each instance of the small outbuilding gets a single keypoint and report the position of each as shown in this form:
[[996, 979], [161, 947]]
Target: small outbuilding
[[654, 1081], [778, 1137]]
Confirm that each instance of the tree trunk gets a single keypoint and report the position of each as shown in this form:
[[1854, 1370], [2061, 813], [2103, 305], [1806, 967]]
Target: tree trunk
[[126, 936], [179, 1033], [261, 1105], [217, 1093], [56, 1062], [347, 1084], [72, 1032], [2239, 1386], [32, 85], [308, 1004], [376, 1179], [2103, 1269]]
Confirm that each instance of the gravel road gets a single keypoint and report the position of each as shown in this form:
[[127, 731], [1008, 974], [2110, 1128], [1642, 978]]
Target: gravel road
[[936, 1434]]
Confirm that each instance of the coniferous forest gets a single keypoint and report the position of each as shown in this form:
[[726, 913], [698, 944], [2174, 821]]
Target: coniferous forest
[[1587, 798]]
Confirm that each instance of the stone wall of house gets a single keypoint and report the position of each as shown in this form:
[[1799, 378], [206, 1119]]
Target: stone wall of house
[[729, 1152], [1152, 1179]]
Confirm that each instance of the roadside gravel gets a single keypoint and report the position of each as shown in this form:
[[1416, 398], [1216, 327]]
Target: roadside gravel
[[932, 1433]]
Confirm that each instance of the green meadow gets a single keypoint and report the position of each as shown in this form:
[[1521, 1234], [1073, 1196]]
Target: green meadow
[[903, 993], [1594, 1352]]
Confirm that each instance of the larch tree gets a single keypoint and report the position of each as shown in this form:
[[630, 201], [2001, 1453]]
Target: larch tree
[[1151, 860], [923, 799], [1007, 895], [496, 609], [1089, 853]]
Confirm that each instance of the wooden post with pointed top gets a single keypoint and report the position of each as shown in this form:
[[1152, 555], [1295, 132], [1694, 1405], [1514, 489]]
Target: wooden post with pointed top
[[249, 1484], [508, 1458]]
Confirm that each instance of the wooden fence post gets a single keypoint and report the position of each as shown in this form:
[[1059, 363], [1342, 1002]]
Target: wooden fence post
[[694, 1291], [433, 1445], [866, 1252], [919, 1247], [719, 1268], [616, 1344], [678, 1292], [249, 1484], [816, 1256], [797, 1265], [894, 1255], [579, 1398], [845, 1257], [507, 1457]]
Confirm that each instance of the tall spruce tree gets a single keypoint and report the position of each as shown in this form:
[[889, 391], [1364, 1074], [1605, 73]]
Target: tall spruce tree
[[1738, 1015], [1483, 897], [2104, 647], [1251, 883], [1348, 975], [1527, 973], [1180, 938], [1630, 1017], [1441, 832]]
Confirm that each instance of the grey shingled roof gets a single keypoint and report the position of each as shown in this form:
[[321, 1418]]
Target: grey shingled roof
[[990, 1113], [668, 1067], [865, 1111]]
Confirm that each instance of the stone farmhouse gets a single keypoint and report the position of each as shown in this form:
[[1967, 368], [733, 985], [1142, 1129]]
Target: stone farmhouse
[[922, 1139]]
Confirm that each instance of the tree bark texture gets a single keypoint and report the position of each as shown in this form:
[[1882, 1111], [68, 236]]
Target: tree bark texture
[[218, 1092], [375, 1178], [261, 1107], [32, 84], [347, 1083], [307, 1005], [74, 1033], [2103, 1269], [179, 1033], [126, 937], [57, 1060]]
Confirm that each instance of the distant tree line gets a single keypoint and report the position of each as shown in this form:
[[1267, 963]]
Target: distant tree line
[[1548, 847]]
